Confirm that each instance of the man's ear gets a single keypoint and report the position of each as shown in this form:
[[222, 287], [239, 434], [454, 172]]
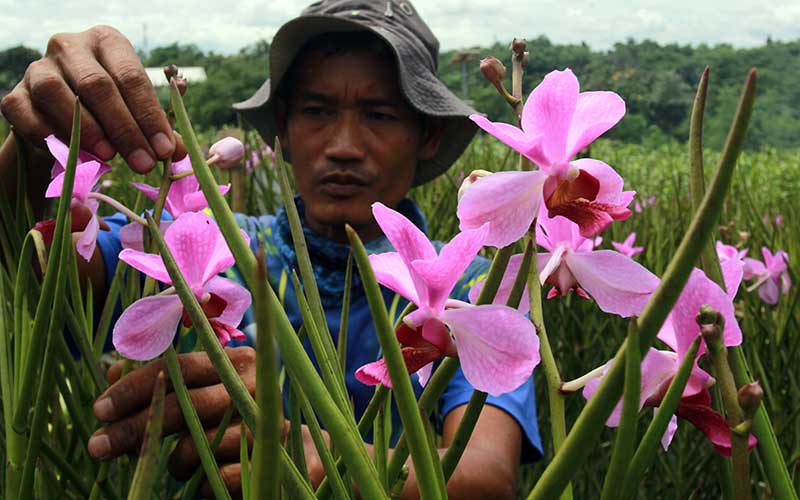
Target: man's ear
[[432, 133]]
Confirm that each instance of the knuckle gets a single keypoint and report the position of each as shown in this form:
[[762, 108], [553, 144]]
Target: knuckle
[[10, 104], [242, 357], [44, 87], [123, 136], [131, 76], [104, 32], [57, 43], [94, 86]]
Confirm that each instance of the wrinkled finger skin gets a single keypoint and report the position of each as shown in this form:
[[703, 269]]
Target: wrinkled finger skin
[[120, 112], [123, 407]]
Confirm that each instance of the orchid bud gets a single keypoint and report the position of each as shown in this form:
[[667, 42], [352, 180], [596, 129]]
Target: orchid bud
[[750, 396], [711, 323], [518, 46], [470, 180], [170, 71], [226, 152], [525, 59], [181, 83], [493, 70]]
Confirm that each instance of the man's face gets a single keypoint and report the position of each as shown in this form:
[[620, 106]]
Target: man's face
[[353, 140]]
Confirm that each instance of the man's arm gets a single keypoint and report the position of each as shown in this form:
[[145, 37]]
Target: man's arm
[[488, 467]]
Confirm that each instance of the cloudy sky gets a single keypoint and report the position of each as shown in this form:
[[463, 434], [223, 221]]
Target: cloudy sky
[[225, 26]]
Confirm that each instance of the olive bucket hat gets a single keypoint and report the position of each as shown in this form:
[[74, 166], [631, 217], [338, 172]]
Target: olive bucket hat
[[416, 52]]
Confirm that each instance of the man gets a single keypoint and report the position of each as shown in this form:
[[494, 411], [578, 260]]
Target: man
[[354, 98]]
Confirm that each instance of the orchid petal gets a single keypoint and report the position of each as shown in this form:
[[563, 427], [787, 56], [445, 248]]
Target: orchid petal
[[595, 113], [147, 327], [618, 284], [551, 264], [149, 191], [507, 200], [88, 239], [237, 298], [196, 201], [148, 263], [132, 235], [391, 271], [549, 111], [497, 346], [700, 291], [411, 243], [522, 142], [769, 292], [669, 433], [60, 152], [732, 273], [441, 274], [753, 268], [698, 412]]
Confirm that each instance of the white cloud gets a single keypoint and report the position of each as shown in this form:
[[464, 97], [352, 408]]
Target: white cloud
[[227, 26]]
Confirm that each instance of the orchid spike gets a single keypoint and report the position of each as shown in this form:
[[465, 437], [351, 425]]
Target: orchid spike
[[184, 194], [497, 346], [557, 122], [627, 247], [83, 208], [772, 275], [226, 153], [147, 327], [618, 283]]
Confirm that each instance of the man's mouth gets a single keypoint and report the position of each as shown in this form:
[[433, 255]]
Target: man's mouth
[[342, 184]]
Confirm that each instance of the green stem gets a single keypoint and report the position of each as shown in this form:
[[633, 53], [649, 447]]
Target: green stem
[[421, 453], [461, 438], [594, 415], [555, 398], [646, 451], [146, 474], [193, 485], [727, 386], [194, 425], [267, 446], [627, 432]]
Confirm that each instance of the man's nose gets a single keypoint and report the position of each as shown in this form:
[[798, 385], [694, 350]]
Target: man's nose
[[346, 141]]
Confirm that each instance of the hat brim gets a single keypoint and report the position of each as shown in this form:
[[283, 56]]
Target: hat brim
[[423, 90]]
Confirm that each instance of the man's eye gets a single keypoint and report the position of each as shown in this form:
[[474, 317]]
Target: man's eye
[[313, 110], [380, 116]]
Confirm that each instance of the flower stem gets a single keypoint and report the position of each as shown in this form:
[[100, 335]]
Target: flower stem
[[627, 431], [646, 451], [555, 398], [119, 207], [194, 425], [421, 453]]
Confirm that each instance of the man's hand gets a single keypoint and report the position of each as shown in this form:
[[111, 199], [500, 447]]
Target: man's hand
[[120, 111], [123, 407]]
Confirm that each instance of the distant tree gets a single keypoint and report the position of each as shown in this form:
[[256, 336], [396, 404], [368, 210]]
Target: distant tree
[[13, 63]]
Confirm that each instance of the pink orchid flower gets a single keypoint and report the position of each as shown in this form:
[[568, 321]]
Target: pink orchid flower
[[497, 346], [618, 284], [772, 275], [726, 253], [60, 152], [557, 122], [83, 207], [626, 247], [184, 194], [659, 367], [147, 327]]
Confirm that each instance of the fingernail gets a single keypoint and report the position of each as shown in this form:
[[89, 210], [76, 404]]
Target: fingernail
[[104, 409], [99, 446], [104, 150], [161, 144], [141, 161]]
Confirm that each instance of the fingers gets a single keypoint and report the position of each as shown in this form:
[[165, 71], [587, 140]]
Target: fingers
[[123, 65], [28, 122], [134, 391], [231, 476], [125, 435], [184, 459]]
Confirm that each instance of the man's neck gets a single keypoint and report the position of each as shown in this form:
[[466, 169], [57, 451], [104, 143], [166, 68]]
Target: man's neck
[[366, 232]]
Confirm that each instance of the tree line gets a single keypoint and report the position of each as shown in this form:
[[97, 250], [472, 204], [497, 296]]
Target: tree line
[[657, 82]]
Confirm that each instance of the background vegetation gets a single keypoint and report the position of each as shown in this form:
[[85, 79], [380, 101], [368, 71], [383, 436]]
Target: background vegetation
[[657, 82]]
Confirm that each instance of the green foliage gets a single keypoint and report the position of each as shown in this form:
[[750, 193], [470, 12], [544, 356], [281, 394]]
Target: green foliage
[[13, 62]]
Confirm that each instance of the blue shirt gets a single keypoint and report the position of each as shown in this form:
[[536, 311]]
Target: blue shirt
[[329, 260]]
